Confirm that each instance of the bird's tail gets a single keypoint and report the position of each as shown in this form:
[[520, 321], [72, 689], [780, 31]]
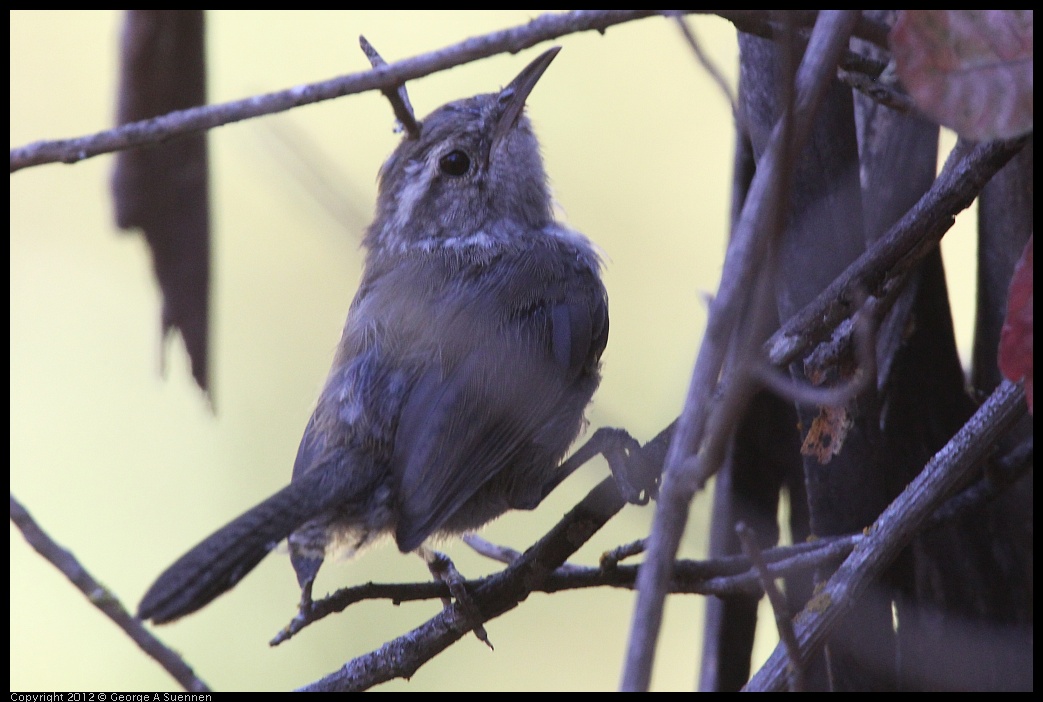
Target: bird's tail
[[226, 556]]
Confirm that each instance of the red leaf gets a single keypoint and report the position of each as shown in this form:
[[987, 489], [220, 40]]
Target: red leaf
[[970, 70], [1015, 356]]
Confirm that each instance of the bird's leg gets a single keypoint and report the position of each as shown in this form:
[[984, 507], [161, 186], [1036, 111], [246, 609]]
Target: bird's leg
[[306, 602], [306, 565], [636, 479], [443, 570]]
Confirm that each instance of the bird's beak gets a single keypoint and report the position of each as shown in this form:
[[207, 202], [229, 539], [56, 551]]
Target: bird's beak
[[513, 97]]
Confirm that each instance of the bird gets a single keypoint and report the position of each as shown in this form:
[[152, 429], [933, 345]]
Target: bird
[[470, 353]]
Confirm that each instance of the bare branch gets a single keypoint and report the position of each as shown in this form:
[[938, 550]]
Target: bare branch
[[883, 92], [950, 467], [729, 575], [886, 264], [102, 598], [600, 505], [513, 40], [1002, 472], [403, 656], [386, 78]]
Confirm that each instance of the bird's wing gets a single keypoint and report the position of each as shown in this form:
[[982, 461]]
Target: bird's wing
[[499, 405]]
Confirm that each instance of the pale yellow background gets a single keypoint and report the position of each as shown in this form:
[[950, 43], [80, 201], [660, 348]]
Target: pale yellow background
[[125, 465]]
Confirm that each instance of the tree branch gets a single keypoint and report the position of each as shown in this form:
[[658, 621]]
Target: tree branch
[[720, 577], [387, 77], [384, 78], [100, 596], [885, 265], [949, 468], [501, 593]]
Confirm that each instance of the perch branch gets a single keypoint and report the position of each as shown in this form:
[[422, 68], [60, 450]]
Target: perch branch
[[386, 77]]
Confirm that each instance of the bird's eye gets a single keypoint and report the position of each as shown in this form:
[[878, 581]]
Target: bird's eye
[[455, 163]]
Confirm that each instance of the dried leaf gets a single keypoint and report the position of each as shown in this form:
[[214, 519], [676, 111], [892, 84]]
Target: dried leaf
[[163, 190]]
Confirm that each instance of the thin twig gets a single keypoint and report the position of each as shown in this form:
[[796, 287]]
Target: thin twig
[[709, 66], [748, 539], [396, 95], [879, 90], [102, 598], [611, 559], [826, 554], [862, 332]]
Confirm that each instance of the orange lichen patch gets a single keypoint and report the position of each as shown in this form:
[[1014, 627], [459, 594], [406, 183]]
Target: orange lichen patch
[[827, 434]]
